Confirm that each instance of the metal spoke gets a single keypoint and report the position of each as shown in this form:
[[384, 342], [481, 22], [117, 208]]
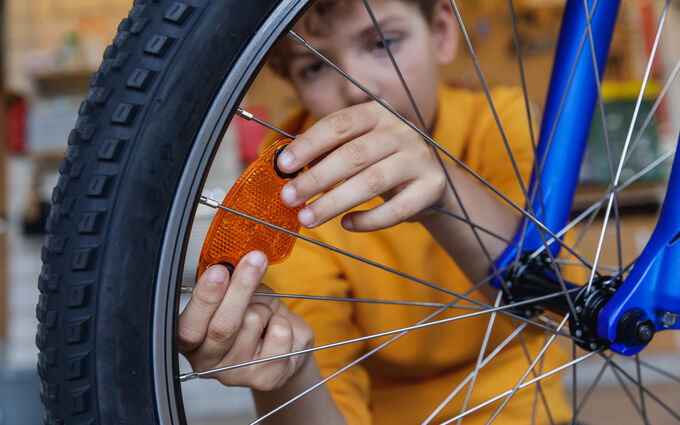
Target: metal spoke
[[527, 106], [522, 75], [189, 289], [485, 88], [643, 408], [528, 371], [487, 93], [574, 385], [646, 391], [589, 392], [214, 204], [564, 94], [603, 117], [480, 356], [295, 37], [344, 368], [377, 27], [476, 226], [659, 371], [600, 202], [628, 138], [539, 387], [561, 106], [250, 117], [550, 322], [577, 264], [623, 385], [546, 335], [586, 227], [464, 382], [424, 126], [652, 111], [504, 308], [363, 357], [524, 385], [595, 208]]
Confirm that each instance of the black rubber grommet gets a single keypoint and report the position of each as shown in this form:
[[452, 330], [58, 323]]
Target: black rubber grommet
[[276, 166], [229, 267]]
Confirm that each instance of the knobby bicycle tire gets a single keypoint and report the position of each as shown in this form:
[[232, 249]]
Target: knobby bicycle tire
[[118, 181]]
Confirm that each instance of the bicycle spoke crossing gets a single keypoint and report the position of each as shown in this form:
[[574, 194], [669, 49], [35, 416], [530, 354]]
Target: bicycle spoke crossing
[[626, 145]]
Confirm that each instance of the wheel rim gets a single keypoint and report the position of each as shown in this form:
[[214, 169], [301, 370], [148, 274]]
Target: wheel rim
[[166, 303]]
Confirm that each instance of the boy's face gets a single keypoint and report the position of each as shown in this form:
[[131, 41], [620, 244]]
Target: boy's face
[[419, 47]]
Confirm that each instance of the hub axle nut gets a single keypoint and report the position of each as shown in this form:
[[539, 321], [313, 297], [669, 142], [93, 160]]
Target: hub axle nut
[[635, 328]]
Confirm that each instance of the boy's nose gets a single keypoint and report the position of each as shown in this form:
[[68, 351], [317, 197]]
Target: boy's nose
[[355, 95]]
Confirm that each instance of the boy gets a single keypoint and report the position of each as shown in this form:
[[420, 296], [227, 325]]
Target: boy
[[359, 151]]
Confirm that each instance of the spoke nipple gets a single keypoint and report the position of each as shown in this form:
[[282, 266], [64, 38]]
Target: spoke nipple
[[188, 376], [244, 114], [579, 309], [209, 202], [578, 333], [593, 346], [299, 40]]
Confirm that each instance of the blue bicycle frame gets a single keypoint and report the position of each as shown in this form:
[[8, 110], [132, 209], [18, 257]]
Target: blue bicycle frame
[[652, 287]]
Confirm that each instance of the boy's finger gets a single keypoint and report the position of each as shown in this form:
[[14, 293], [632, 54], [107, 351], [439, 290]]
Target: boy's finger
[[226, 321], [371, 182], [205, 299], [400, 208], [255, 321], [278, 340], [327, 134], [342, 163]]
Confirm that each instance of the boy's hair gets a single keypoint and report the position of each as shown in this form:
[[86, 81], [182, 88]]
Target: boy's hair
[[318, 21]]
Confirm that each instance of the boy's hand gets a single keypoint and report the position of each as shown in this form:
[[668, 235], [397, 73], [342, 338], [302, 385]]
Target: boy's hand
[[224, 324], [370, 152]]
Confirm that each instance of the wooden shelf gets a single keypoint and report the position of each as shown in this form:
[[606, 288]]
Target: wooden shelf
[[643, 197], [71, 82]]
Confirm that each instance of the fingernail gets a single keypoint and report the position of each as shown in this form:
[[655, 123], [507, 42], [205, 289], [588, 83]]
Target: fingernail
[[289, 195], [347, 223], [256, 259], [306, 217], [217, 275], [286, 160]]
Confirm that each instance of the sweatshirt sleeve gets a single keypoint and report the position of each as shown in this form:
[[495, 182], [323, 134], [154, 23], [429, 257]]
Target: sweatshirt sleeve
[[488, 153]]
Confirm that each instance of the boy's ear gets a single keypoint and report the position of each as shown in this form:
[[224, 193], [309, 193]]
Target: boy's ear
[[445, 30]]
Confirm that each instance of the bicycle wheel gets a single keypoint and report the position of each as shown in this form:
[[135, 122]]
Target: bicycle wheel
[[128, 191]]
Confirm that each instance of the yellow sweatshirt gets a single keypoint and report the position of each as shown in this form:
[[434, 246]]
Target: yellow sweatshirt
[[405, 381]]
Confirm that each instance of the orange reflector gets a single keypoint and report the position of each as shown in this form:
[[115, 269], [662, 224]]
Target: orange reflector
[[256, 193]]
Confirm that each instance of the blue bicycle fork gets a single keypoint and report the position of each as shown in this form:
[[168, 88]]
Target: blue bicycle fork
[[625, 313]]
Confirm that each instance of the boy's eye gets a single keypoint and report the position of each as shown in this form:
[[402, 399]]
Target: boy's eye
[[389, 43], [312, 70]]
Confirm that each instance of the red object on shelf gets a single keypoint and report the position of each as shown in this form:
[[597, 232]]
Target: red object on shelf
[[15, 130], [251, 134]]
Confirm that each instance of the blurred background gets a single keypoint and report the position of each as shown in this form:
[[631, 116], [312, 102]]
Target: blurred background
[[51, 48]]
